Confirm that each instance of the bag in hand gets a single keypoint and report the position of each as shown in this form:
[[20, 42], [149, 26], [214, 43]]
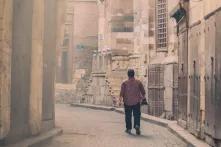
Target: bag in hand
[[144, 102]]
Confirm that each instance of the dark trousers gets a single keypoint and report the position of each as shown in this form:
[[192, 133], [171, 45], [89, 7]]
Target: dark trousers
[[135, 109]]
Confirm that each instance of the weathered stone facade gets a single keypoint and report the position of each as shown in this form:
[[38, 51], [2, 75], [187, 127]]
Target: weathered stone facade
[[85, 34], [28, 58], [110, 62], [199, 68], [79, 42], [127, 39]]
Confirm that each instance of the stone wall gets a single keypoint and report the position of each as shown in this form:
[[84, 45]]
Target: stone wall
[[133, 48], [201, 21], [65, 94], [28, 59], [202, 18], [5, 65], [85, 37], [85, 42]]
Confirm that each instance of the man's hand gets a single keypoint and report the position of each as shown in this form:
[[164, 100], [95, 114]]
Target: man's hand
[[120, 101]]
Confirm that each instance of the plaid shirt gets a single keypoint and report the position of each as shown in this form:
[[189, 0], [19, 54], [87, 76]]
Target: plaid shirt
[[132, 92]]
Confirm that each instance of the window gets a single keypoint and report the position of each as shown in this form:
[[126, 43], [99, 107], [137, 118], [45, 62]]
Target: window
[[161, 25]]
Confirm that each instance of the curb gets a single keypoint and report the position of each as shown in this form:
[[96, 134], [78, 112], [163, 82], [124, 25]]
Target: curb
[[189, 144], [172, 126], [183, 134], [34, 141], [93, 107]]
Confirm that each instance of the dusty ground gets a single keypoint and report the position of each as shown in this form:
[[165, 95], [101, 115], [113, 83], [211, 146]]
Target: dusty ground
[[93, 128]]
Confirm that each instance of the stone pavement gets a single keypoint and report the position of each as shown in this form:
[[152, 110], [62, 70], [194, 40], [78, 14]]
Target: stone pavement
[[172, 126], [94, 128]]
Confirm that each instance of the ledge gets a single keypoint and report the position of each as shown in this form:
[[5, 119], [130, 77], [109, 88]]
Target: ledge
[[95, 107], [35, 140]]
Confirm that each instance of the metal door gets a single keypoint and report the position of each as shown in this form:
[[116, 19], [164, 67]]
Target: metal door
[[156, 89], [194, 77], [182, 79], [209, 76]]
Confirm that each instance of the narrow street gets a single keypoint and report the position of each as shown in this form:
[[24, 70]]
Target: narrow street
[[94, 128], [58, 56]]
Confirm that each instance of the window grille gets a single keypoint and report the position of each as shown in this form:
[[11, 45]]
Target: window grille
[[161, 25]]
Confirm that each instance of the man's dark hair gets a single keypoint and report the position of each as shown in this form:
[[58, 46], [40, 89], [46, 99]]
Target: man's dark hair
[[131, 73]]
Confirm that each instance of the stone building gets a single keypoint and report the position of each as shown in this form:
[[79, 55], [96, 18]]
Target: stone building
[[75, 53], [155, 41], [130, 36], [199, 68], [115, 43], [85, 34], [27, 63]]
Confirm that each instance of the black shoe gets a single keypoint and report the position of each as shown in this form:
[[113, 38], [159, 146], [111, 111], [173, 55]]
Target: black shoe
[[138, 131], [128, 131]]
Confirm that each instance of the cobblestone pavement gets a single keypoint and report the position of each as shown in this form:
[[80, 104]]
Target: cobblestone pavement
[[94, 128]]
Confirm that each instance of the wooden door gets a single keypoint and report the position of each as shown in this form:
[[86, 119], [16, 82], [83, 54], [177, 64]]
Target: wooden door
[[183, 74], [194, 78], [209, 76]]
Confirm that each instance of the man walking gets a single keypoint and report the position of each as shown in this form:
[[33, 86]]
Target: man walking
[[132, 93]]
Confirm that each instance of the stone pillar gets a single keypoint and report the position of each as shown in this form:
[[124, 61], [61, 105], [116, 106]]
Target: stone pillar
[[202, 66], [103, 66], [70, 15], [168, 92], [109, 63], [21, 70], [60, 36], [49, 64], [5, 65], [94, 64], [98, 62], [101, 24], [35, 115]]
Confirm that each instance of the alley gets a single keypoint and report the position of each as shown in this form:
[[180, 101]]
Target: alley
[[94, 128]]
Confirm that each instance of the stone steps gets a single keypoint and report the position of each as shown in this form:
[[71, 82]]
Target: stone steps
[[114, 85]]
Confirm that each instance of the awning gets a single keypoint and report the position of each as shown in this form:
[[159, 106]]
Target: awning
[[178, 13]]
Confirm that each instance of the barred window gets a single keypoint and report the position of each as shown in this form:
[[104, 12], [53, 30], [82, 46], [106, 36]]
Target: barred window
[[161, 24]]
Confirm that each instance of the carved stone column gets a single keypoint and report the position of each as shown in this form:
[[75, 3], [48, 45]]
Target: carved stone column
[[5, 65], [35, 115]]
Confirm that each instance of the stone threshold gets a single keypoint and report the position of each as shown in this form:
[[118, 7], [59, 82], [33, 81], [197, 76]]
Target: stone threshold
[[35, 140], [172, 126]]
